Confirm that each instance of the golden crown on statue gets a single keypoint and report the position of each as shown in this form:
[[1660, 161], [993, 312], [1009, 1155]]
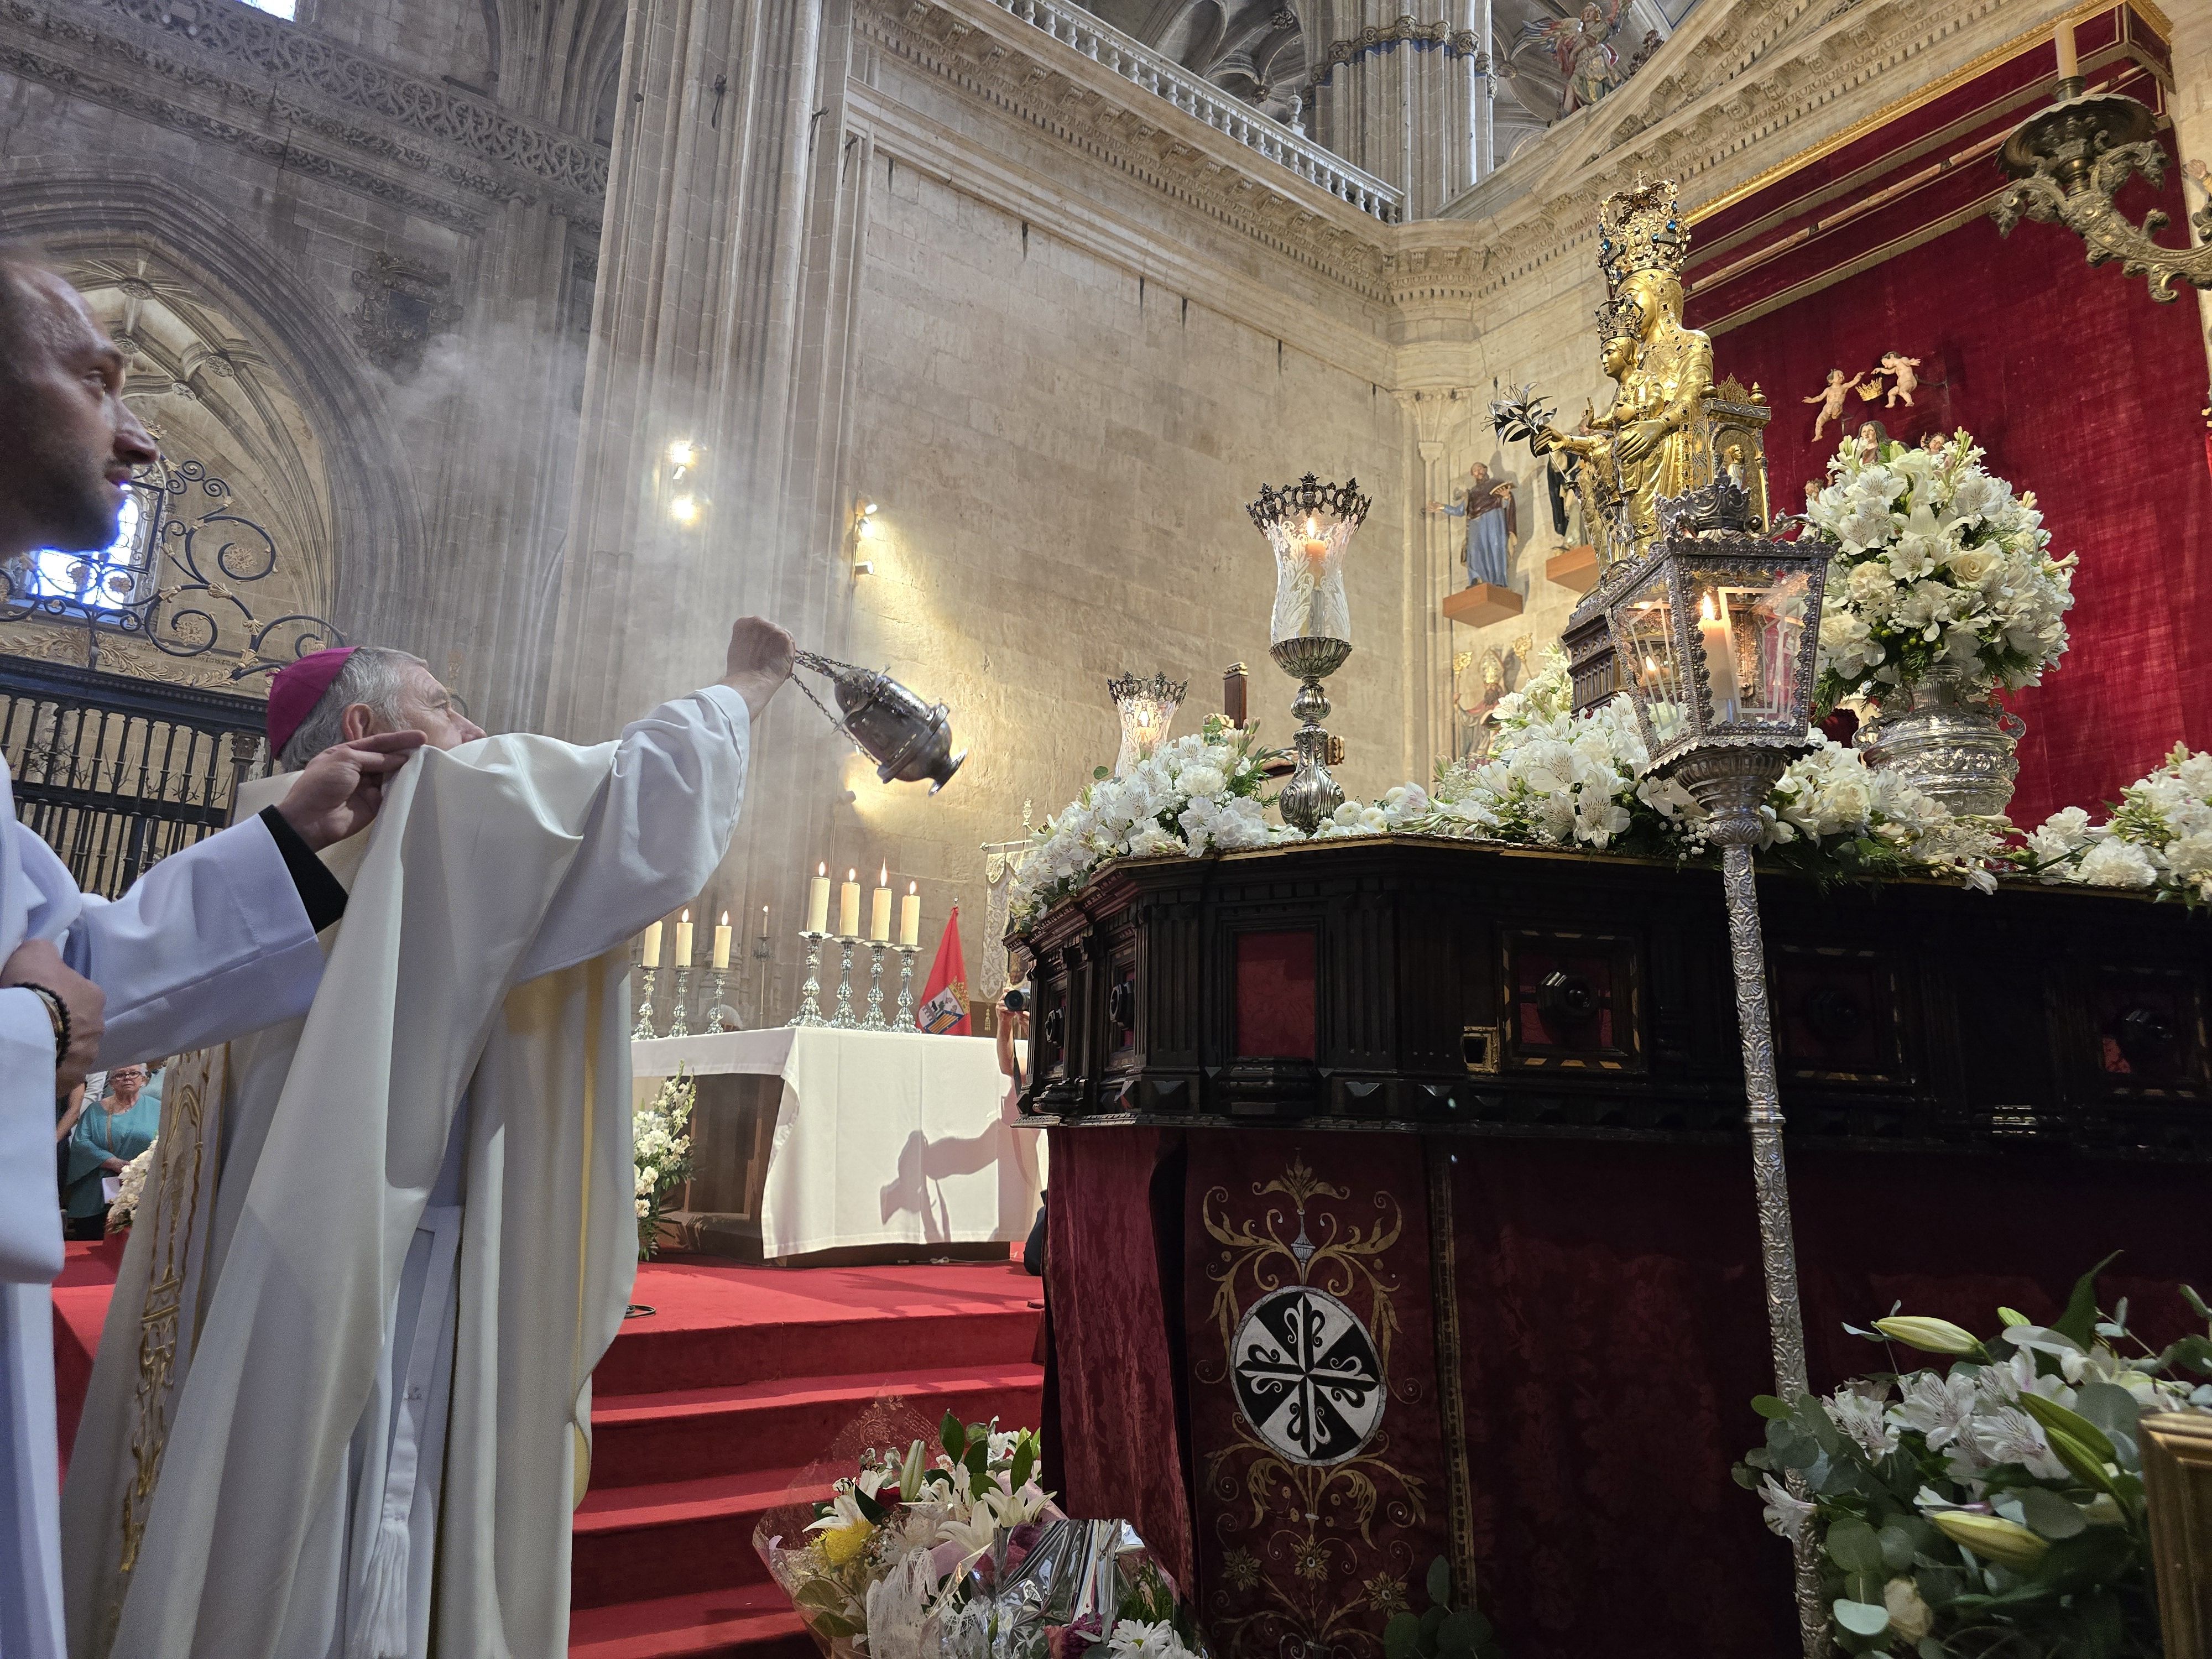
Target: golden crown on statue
[[1638, 230]]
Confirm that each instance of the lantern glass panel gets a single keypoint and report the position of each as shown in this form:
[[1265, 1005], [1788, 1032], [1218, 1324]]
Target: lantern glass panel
[[1650, 660], [1752, 625]]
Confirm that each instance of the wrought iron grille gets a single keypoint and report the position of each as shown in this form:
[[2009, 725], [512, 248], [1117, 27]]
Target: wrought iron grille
[[116, 773], [182, 580]]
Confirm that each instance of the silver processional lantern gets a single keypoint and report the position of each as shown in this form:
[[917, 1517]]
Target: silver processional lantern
[[1714, 636]]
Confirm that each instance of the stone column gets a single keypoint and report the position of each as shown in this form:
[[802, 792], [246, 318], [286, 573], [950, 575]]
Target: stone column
[[1402, 94], [731, 233]]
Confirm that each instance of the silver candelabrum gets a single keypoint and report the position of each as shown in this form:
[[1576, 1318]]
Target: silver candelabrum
[[715, 1012], [904, 1020], [763, 950], [874, 1021], [677, 1025], [642, 1032], [810, 994], [843, 1019], [1311, 795]]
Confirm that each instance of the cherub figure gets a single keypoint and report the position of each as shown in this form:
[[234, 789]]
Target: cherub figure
[[1907, 382], [1831, 400]]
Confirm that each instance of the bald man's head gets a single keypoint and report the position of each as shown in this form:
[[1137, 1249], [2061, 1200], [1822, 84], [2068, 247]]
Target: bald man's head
[[70, 441]]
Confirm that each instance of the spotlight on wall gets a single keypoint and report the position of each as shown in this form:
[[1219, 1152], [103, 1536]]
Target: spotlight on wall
[[687, 503], [864, 531]]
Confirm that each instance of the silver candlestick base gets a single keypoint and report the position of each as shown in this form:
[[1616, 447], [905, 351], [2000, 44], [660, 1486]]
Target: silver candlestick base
[[843, 1019], [642, 1032], [810, 994], [677, 1026], [874, 1021], [714, 1025], [1311, 795], [904, 1020]]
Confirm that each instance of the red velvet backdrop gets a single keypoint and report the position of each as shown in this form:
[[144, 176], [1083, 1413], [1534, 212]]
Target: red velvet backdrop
[[2077, 384]]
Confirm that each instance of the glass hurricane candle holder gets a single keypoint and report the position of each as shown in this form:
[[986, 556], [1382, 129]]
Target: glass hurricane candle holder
[[1310, 525]]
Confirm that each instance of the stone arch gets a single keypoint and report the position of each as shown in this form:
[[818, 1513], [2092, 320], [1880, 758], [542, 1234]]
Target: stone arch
[[372, 502]]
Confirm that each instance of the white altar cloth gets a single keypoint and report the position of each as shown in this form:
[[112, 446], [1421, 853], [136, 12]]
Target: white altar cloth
[[881, 1137]]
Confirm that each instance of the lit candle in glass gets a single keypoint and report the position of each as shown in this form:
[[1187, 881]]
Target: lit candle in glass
[[650, 955], [722, 944], [1316, 544], [848, 906], [910, 916], [817, 902], [683, 940], [1718, 634], [879, 909]]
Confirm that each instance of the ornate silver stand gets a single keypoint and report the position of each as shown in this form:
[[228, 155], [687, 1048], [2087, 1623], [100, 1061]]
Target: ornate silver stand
[[642, 1032], [843, 1019], [715, 1013], [1311, 795], [677, 1026], [874, 1021], [761, 951], [1949, 744], [1729, 784], [904, 1020], [810, 994]]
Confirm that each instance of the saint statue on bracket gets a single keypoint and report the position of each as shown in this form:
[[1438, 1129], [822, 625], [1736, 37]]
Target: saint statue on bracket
[[1492, 526]]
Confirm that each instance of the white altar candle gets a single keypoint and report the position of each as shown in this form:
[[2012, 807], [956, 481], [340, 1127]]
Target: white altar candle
[[910, 916], [1718, 631], [817, 902], [2069, 59], [879, 909], [848, 906], [650, 955], [683, 940], [722, 944]]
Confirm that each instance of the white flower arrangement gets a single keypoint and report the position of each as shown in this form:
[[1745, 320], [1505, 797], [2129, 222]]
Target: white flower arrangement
[[131, 1189], [1194, 794], [1939, 566], [660, 1148], [1995, 1506], [2159, 836]]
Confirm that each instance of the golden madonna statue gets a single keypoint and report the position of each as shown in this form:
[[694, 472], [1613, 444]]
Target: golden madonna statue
[[1659, 438]]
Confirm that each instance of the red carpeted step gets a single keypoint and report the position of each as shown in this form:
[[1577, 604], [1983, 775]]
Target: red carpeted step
[[651, 1358], [754, 1622], [685, 1435], [676, 1536]]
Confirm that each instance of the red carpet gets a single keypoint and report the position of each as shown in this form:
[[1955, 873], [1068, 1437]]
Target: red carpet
[[705, 1411]]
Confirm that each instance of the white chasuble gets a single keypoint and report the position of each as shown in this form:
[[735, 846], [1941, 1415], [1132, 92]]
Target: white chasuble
[[212, 941], [352, 1343]]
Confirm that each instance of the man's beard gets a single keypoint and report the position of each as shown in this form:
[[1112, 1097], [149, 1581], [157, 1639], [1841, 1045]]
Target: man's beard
[[67, 498]]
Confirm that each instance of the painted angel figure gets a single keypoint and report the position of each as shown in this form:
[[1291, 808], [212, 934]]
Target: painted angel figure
[[1581, 47], [1906, 382], [1831, 400]]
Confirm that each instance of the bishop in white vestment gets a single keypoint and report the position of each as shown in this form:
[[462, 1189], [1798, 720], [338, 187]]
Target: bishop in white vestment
[[349, 1357]]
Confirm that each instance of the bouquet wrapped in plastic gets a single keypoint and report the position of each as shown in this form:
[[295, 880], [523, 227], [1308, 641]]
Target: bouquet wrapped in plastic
[[947, 1547]]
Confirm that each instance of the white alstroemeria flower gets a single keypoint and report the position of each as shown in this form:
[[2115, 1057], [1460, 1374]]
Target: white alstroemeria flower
[[1938, 1408], [1857, 1410], [1786, 1515]]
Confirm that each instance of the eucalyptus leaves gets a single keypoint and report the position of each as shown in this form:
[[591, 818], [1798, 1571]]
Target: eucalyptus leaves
[[1996, 1508]]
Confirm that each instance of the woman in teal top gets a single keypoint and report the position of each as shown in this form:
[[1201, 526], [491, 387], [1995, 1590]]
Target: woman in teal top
[[107, 1136]]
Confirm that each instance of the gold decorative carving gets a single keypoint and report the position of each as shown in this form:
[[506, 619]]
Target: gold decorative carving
[[2177, 1466]]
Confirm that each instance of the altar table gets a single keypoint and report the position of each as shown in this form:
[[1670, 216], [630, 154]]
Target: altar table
[[808, 1140]]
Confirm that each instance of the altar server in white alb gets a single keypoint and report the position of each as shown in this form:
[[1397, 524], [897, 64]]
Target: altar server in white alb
[[216, 941], [342, 1404]]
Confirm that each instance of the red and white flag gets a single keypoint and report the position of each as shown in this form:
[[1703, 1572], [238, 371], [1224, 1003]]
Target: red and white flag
[[943, 1011]]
